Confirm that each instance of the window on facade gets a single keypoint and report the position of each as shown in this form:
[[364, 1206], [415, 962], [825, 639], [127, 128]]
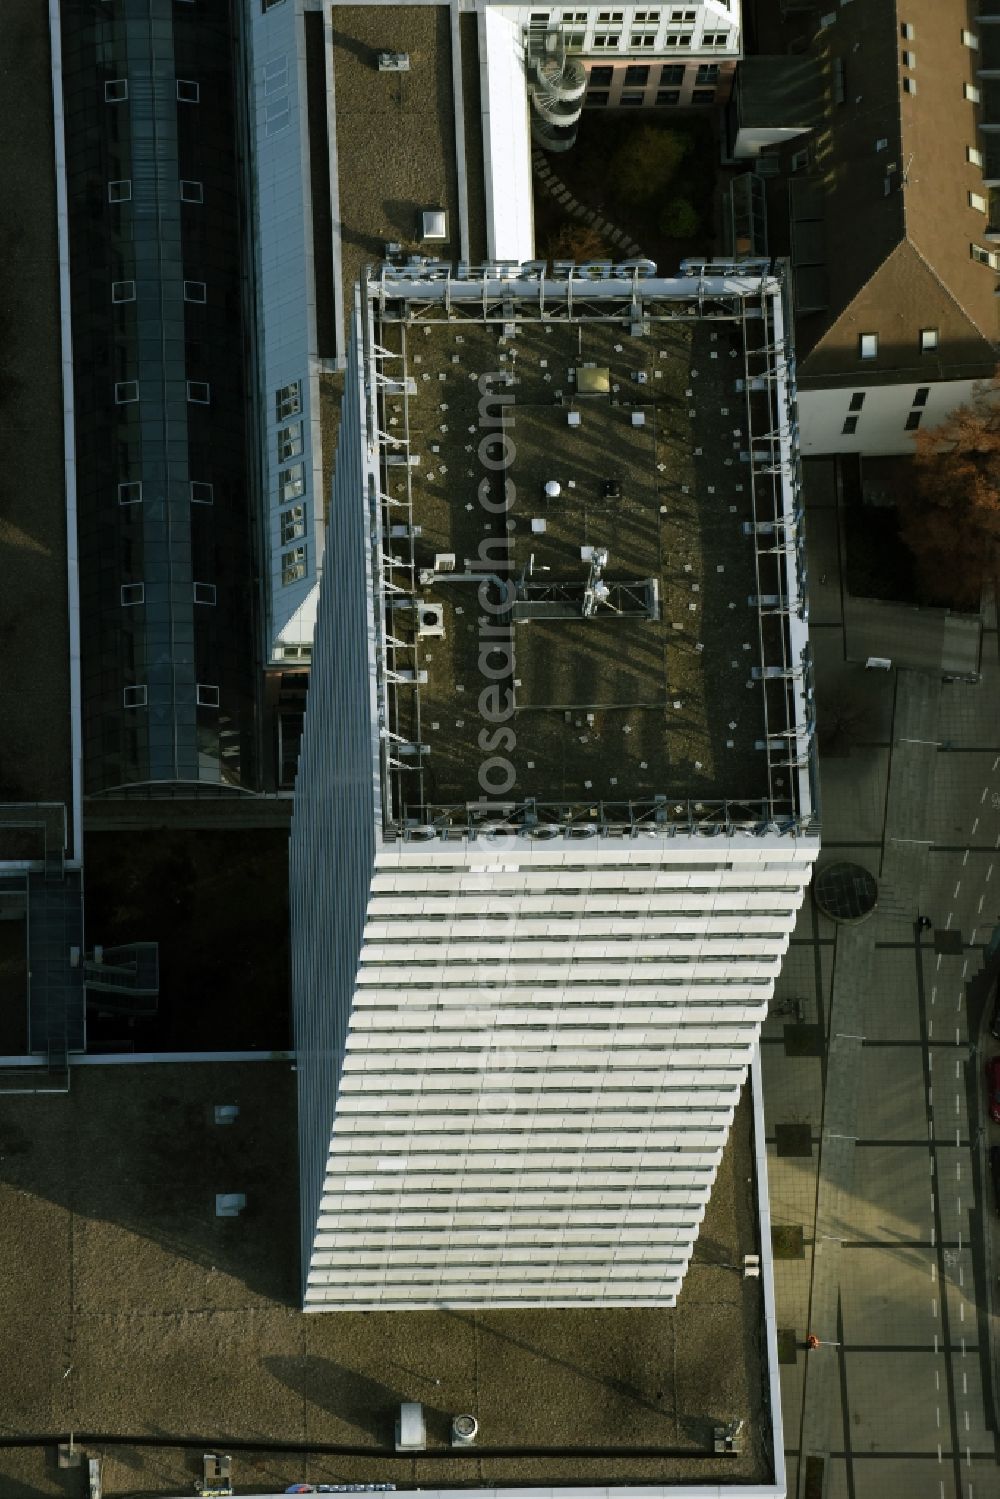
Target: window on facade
[[909, 85], [668, 96], [293, 565], [191, 191], [576, 41], [116, 91], [188, 92], [126, 391], [971, 93], [974, 156], [604, 41], [134, 697], [293, 524], [909, 59], [641, 41], [202, 493], [601, 76], [920, 395], [195, 291], [123, 291], [130, 492], [850, 426], [133, 593], [678, 41], [913, 421], [678, 16], [291, 482], [978, 202], [637, 75], [610, 15], [632, 101], [204, 593], [120, 191], [207, 695], [868, 346], [703, 96], [928, 340], [199, 392], [857, 401], [970, 39], [598, 97], [708, 72], [907, 31], [289, 441], [715, 38], [984, 257], [288, 400]]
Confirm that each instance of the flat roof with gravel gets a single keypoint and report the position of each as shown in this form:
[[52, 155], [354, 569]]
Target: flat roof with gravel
[[146, 1322], [589, 558], [649, 693], [394, 144]]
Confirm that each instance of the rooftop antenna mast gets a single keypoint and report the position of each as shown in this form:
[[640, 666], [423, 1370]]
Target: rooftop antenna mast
[[596, 591]]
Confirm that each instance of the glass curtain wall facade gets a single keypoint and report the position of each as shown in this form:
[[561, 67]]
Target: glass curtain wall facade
[[166, 557]]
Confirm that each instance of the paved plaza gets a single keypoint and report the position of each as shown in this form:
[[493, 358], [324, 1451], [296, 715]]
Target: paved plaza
[[879, 1198]]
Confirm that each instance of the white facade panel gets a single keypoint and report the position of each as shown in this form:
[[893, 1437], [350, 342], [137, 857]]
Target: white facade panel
[[876, 425], [294, 502], [711, 27], [452, 1100], [510, 233]]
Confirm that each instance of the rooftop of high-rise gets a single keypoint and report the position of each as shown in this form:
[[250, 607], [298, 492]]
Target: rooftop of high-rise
[[588, 564]]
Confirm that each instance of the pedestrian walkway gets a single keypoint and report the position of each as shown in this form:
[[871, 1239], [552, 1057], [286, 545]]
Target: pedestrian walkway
[[853, 974], [903, 874], [888, 1362], [574, 209]]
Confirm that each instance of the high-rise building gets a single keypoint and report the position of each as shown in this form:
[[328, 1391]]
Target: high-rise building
[[555, 809]]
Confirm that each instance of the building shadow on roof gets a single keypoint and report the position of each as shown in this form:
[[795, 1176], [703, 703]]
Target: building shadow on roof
[[367, 1408]]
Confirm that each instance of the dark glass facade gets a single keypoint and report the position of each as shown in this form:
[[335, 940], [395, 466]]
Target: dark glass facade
[[161, 372]]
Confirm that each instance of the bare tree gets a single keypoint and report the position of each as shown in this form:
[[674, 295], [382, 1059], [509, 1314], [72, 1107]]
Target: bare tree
[[577, 242], [951, 518]]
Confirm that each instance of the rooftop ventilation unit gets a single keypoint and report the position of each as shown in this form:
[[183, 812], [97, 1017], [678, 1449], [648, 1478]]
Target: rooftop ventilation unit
[[434, 224], [229, 1204], [394, 62], [411, 1435], [463, 1430], [430, 621]]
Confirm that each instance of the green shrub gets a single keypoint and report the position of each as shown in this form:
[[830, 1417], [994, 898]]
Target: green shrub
[[645, 164], [679, 219]]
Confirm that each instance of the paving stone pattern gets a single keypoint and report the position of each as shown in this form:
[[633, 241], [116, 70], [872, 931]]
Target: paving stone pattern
[[897, 1215]]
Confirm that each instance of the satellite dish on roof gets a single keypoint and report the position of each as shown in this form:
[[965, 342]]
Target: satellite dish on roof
[[553, 489]]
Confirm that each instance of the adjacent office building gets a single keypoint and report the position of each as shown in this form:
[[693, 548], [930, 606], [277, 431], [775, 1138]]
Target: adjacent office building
[[165, 507], [556, 808], [884, 116]]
